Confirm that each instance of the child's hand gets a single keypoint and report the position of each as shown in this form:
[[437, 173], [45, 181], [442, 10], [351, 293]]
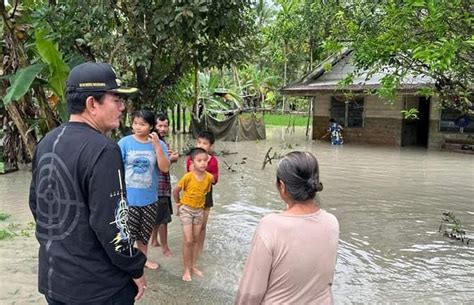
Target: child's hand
[[154, 139], [177, 209]]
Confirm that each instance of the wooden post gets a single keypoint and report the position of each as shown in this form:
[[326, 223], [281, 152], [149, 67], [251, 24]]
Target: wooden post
[[178, 117], [184, 119]]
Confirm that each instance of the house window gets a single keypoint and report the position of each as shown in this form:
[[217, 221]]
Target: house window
[[452, 120], [349, 113]]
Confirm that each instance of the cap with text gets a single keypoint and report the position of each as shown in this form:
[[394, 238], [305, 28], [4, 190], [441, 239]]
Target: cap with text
[[95, 77]]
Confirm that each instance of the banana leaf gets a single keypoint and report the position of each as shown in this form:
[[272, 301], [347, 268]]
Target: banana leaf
[[21, 82], [58, 69]]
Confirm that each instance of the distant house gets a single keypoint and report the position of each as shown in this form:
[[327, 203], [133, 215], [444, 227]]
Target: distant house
[[368, 118]]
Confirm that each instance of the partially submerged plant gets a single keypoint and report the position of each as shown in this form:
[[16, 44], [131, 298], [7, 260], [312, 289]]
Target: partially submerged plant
[[451, 227], [4, 216], [6, 233]]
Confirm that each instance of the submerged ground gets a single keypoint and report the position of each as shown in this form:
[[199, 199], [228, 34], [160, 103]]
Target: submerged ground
[[389, 203]]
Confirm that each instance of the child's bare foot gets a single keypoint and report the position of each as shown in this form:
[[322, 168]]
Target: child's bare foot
[[167, 252], [187, 276], [197, 272], [152, 265], [154, 243]]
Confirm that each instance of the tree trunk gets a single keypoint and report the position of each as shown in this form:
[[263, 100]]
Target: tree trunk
[[285, 70], [178, 117], [27, 137], [44, 110], [18, 59], [184, 119], [173, 119]]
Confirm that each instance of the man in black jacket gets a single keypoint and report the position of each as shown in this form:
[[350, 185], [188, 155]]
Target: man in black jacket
[[77, 197]]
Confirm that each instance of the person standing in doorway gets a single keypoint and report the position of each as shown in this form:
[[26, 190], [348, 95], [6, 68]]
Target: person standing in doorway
[[78, 200], [164, 208], [335, 130]]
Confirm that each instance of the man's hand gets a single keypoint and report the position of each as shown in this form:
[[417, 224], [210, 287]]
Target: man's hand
[[141, 285], [174, 155]]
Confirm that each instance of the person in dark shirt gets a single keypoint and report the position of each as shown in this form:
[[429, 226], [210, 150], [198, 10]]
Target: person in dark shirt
[[78, 199]]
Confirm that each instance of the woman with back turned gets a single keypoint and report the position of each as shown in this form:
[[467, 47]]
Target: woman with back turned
[[293, 253]]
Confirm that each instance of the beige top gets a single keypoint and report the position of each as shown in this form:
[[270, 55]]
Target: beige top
[[291, 260]]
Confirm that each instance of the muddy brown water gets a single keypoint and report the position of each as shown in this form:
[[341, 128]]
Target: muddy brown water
[[389, 203]]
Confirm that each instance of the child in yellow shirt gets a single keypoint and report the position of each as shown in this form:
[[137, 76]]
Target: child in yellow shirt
[[195, 185]]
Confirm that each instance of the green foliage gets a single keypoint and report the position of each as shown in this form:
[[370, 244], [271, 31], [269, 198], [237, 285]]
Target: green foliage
[[412, 37], [285, 120], [410, 114], [21, 82], [6, 233], [4, 216], [58, 69], [451, 227]]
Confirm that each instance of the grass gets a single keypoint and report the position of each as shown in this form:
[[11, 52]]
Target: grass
[[286, 119], [4, 216], [271, 119], [6, 233]]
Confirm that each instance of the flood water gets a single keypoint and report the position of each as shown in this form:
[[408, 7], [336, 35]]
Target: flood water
[[389, 203]]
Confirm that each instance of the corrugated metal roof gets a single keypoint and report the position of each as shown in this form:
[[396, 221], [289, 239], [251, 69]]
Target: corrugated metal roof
[[321, 81]]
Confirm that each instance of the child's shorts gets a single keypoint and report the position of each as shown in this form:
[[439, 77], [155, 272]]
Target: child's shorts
[[141, 221], [163, 215], [190, 216]]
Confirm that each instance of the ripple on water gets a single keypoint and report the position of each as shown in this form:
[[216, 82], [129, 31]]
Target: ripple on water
[[389, 204]]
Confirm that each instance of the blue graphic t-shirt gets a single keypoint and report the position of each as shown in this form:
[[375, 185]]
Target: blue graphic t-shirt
[[141, 170]]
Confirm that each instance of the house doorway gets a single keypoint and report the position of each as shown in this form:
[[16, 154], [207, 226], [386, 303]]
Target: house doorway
[[415, 132]]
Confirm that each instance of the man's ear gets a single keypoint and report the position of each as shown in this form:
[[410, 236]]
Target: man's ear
[[91, 106]]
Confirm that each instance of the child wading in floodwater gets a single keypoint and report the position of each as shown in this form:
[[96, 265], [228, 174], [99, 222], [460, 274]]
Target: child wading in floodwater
[[195, 185], [143, 154], [205, 140]]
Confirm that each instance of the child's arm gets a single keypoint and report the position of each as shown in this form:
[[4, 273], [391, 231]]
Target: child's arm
[[189, 164], [176, 192], [213, 169], [161, 157]]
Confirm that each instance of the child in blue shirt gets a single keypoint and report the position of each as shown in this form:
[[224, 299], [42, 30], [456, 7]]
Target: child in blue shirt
[[143, 154]]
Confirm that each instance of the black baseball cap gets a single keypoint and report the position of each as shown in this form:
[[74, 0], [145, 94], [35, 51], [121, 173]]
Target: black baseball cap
[[95, 77]]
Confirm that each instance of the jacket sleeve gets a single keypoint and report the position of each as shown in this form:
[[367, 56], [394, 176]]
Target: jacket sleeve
[[107, 208], [32, 197], [254, 279]]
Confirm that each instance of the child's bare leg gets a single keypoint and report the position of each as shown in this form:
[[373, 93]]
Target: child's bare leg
[[154, 237], [202, 232], [144, 248], [163, 233], [187, 251], [196, 234]]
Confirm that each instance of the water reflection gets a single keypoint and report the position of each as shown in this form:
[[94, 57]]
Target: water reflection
[[389, 203]]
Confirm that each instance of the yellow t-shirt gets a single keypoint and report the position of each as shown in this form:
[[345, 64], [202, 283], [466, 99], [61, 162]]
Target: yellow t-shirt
[[194, 190]]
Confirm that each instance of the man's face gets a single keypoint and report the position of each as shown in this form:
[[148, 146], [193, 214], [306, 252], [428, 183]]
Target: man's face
[[162, 127], [109, 112]]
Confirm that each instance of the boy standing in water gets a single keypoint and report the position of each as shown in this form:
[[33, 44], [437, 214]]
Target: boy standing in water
[[205, 141], [165, 210], [335, 129], [196, 184]]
